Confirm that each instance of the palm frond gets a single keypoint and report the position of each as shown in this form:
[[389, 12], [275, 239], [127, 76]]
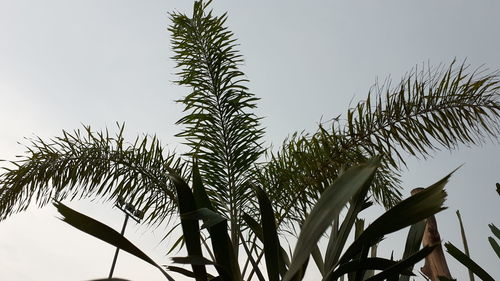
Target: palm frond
[[219, 127], [92, 164], [297, 175], [427, 111]]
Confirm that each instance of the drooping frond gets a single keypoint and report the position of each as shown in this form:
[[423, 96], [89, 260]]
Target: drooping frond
[[296, 176], [91, 164], [220, 128], [429, 110]]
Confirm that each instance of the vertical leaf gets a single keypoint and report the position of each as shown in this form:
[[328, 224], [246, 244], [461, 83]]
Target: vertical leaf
[[329, 205], [270, 235], [190, 227], [222, 247], [464, 240], [413, 241], [468, 262]]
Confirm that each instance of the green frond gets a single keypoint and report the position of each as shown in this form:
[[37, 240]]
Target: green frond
[[219, 127], [429, 110], [296, 176], [91, 164]]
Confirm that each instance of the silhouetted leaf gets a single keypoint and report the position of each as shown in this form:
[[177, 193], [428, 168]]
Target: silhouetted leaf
[[407, 212], [217, 227], [468, 262], [369, 263], [102, 232], [494, 245], [413, 241], [331, 202], [494, 230], [190, 228], [402, 265], [270, 236], [464, 240]]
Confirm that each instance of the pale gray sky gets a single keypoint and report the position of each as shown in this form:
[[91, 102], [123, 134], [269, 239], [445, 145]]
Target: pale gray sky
[[66, 63]]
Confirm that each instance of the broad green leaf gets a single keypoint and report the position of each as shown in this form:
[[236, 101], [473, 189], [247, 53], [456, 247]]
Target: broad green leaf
[[254, 264], [333, 199], [494, 245], [270, 236], [338, 238], [494, 230], [403, 265], [316, 254], [407, 212], [257, 230], [102, 232], [199, 193], [413, 241], [367, 264], [190, 228], [464, 240], [468, 262], [209, 217], [217, 227]]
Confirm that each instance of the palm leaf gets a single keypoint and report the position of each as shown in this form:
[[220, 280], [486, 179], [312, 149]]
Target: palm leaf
[[403, 265], [367, 264], [92, 164], [413, 241], [430, 109], [494, 230], [339, 237], [190, 227], [330, 204], [492, 241], [464, 240], [223, 134], [275, 264], [468, 262], [407, 212], [104, 233], [494, 245], [221, 243]]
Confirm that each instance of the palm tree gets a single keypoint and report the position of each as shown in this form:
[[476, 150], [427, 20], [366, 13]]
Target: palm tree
[[428, 110]]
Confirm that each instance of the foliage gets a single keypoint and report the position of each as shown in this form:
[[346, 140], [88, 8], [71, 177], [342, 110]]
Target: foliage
[[223, 134], [464, 257], [429, 109], [103, 232], [88, 164], [351, 186]]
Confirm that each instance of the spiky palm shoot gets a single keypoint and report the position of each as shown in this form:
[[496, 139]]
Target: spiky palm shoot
[[92, 164], [427, 111], [223, 134]]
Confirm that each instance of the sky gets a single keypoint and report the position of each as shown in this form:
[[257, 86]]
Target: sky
[[68, 63]]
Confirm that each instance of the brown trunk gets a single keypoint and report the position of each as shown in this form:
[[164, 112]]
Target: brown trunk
[[435, 263]]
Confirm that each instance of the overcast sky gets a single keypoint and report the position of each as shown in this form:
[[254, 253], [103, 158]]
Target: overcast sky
[[66, 63]]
